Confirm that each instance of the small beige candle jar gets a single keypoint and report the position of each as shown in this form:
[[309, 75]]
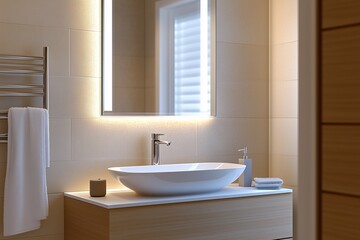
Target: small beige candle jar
[[98, 187]]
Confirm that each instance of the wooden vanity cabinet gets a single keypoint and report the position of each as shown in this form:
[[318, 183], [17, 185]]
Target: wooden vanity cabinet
[[258, 217]]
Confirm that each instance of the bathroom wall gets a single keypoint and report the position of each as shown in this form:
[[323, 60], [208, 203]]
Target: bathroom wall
[[129, 55], [283, 122], [284, 91], [84, 144], [150, 74]]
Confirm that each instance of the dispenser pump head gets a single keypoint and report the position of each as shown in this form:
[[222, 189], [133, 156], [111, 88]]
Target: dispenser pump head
[[245, 152]]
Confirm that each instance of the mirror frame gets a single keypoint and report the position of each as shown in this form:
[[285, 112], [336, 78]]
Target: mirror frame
[[106, 68]]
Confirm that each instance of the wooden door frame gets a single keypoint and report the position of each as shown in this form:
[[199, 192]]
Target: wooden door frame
[[307, 208]]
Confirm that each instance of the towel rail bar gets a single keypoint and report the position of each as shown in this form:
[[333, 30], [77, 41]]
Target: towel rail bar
[[18, 94], [21, 71], [22, 65], [7, 86], [20, 57], [3, 137], [3, 114]]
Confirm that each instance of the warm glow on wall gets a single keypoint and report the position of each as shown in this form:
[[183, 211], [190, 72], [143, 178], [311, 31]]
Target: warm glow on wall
[[204, 51], [107, 55], [174, 120]]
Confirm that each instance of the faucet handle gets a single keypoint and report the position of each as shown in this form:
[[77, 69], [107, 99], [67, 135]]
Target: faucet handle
[[155, 136], [245, 150]]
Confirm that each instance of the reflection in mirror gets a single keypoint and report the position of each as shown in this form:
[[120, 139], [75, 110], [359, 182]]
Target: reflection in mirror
[[158, 57]]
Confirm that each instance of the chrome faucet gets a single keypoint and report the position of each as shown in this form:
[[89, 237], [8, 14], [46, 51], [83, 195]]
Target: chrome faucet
[[155, 152]]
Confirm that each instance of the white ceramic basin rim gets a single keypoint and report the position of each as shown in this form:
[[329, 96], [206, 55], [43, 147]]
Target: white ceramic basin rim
[[177, 179]]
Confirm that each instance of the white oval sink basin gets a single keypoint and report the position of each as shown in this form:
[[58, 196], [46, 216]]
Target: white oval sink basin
[[177, 179]]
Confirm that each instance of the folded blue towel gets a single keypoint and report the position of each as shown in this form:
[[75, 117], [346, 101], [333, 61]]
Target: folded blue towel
[[268, 180], [268, 186]]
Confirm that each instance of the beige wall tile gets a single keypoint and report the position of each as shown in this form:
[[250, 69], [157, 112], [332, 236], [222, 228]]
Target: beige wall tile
[[284, 167], [260, 164], [85, 97], [284, 135], [60, 97], [150, 28], [96, 139], [238, 62], [244, 21], [76, 14], [284, 61], [93, 141], [68, 176], [74, 97], [30, 40], [231, 158], [243, 99], [284, 99], [284, 90], [85, 54], [150, 72], [60, 139], [130, 72], [260, 161], [284, 21], [82, 14], [150, 100], [129, 22], [224, 136], [128, 100], [130, 47]]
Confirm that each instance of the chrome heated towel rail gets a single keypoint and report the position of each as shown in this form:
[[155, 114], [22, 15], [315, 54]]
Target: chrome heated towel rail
[[21, 67]]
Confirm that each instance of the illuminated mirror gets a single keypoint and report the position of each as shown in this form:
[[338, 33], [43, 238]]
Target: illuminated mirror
[[158, 57]]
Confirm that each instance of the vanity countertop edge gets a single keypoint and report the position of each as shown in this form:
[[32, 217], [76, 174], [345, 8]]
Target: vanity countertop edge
[[123, 198]]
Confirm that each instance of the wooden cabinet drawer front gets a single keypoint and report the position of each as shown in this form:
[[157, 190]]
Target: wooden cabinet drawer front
[[340, 12], [251, 218], [84, 221], [341, 75], [341, 159], [340, 217], [258, 218]]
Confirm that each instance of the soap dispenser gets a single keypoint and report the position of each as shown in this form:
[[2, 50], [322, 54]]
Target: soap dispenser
[[246, 178]]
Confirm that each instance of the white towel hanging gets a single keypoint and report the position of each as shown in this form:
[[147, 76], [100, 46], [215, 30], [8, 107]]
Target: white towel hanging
[[25, 194]]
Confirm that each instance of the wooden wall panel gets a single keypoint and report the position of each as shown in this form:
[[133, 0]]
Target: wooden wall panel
[[339, 94], [341, 217], [341, 159], [341, 75], [340, 12]]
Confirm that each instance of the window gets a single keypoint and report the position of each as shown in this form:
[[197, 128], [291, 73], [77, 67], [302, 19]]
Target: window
[[184, 49]]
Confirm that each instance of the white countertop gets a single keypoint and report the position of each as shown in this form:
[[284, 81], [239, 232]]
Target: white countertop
[[122, 198]]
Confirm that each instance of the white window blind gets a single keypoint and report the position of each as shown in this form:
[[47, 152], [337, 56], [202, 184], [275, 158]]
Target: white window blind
[[185, 53], [191, 87]]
